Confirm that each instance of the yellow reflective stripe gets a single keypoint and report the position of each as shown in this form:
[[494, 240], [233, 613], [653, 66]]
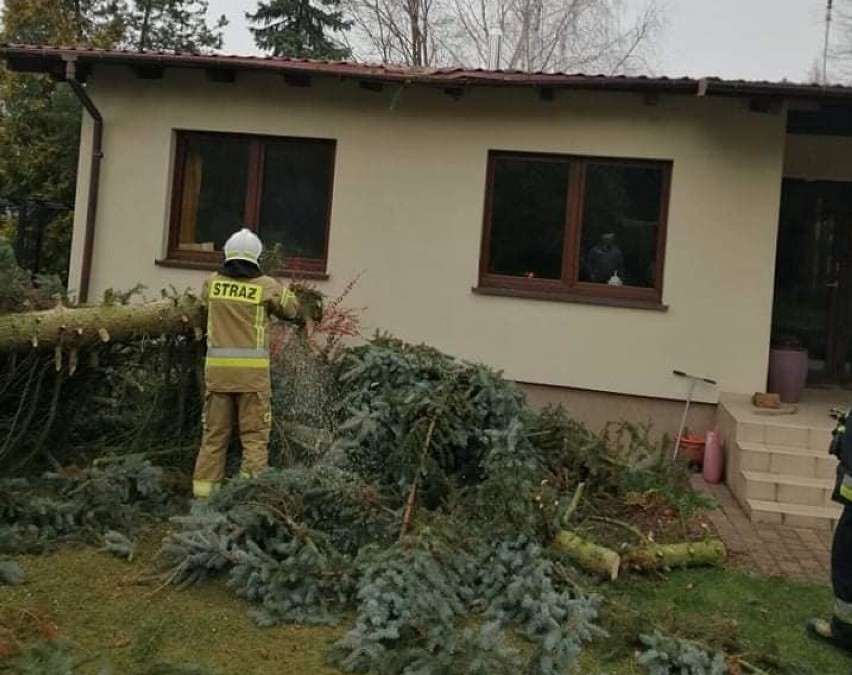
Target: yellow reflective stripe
[[202, 488], [224, 362], [259, 330], [210, 337], [237, 353], [846, 490], [230, 290]]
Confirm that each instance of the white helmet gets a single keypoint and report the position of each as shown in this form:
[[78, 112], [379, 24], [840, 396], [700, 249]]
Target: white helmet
[[244, 245]]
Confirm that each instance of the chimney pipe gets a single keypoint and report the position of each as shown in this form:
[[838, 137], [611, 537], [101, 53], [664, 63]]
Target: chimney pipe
[[495, 40]]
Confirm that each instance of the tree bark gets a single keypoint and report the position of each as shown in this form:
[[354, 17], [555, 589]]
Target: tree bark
[[77, 327], [665, 556], [590, 557], [74, 327], [606, 563]]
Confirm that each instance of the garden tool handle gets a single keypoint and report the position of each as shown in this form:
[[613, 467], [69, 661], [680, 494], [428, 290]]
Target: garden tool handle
[[680, 373]]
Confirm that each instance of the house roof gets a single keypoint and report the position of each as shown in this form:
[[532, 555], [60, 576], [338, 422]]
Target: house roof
[[36, 58]]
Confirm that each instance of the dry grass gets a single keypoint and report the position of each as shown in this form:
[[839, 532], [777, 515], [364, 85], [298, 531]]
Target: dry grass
[[96, 601]]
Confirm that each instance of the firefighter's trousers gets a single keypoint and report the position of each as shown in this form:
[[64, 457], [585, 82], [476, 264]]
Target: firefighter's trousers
[[841, 579], [251, 410]]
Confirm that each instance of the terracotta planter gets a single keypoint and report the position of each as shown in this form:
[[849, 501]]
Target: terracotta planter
[[692, 448], [788, 372]]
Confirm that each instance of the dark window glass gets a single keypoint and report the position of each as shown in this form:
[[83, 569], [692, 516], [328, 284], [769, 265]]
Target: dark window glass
[[279, 187], [296, 197], [620, 226], [528, 209], [213, 194]]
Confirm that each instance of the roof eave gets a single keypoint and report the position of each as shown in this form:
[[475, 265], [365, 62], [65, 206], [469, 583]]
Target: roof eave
[[52, 60]]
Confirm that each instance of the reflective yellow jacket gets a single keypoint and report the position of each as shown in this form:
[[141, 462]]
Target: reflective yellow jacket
[[238, 312]]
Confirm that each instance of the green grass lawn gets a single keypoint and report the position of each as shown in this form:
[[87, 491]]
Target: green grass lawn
[[95, 601], [723, 607]]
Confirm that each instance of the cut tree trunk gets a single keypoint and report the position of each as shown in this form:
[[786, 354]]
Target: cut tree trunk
[[606, 563], [665, 556], [590, 557], [72, 328]]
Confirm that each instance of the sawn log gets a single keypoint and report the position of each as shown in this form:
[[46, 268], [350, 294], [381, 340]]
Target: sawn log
[[590, 557], [606, 563], [664, 556], [75, 327]]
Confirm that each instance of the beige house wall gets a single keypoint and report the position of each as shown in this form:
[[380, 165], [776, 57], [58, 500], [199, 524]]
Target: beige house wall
[[407, 212], [597, 409]]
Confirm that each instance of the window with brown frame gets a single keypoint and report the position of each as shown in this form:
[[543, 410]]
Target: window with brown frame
[[279, 187], [575, 227]]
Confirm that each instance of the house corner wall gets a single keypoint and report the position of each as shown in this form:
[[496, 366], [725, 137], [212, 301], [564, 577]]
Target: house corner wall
[[81, 204]]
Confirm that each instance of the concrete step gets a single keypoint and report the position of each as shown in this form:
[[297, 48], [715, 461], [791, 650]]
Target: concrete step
[[793, 515], [809, 427], [786, 488], [791, 461], [781, 434]]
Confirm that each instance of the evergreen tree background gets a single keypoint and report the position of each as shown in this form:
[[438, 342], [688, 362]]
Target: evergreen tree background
[[170, 24], [40, 119], [300, 28]]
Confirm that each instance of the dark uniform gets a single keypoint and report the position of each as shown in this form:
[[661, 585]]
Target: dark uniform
[[839, 630]]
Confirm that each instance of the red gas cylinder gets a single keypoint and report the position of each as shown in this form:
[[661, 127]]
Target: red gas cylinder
[[713, 459]]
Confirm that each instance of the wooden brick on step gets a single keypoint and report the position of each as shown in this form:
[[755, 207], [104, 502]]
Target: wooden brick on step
[[772, 401]]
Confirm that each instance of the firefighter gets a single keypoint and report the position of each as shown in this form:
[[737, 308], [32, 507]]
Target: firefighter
[[838, 631], [239, 301]]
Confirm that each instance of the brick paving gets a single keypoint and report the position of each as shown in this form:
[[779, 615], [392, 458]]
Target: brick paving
[[771, 550]]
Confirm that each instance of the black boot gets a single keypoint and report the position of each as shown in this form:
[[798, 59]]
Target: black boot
[[824, 630]]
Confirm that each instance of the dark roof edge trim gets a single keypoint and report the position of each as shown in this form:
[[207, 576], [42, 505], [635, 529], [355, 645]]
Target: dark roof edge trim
[[49, 59]]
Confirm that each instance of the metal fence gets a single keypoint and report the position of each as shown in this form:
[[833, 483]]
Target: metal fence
[[32, 217]]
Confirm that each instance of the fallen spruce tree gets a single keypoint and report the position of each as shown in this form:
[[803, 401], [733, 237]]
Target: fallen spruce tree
[[437, 499], [101, 507], [81, 382], [420, 491]]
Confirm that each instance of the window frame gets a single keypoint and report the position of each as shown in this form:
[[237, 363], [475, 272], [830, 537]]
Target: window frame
[[306, 267], [568, 286]]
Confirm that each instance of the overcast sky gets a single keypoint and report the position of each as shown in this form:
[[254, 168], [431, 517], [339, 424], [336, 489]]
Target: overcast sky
[[754, 39]]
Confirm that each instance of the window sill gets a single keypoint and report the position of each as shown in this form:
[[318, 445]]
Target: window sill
[[581, 298], [213, 266]]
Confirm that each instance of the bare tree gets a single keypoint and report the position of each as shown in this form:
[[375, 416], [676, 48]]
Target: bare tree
[[815, 75], [396, 31], [593, 35], [835, 62]]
